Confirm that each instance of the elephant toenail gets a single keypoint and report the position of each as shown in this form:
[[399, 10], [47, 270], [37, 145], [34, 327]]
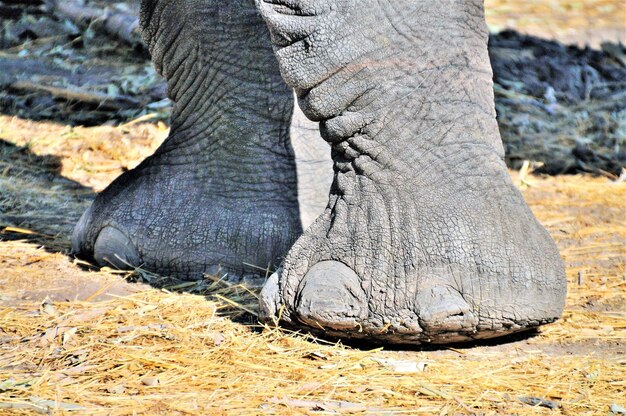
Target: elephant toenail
[[114, 249], [270, 298], [443, 309], [80, 231], [331, 296]]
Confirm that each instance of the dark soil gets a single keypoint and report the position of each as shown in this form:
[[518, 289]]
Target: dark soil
[[560, 105], [575, 75]]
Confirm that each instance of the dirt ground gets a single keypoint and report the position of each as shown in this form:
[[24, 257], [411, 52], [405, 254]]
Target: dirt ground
[[74, 339]]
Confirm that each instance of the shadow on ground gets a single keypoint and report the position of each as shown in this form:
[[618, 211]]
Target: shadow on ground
[[37, 204], [40, 206]]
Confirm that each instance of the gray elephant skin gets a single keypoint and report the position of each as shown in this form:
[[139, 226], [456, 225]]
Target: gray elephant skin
[[414, 231]]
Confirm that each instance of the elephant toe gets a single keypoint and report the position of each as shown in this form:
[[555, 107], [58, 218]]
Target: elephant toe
[[269, 299], [79, 235], [331, 296], [111, 247], [444, 310], [115, 249]]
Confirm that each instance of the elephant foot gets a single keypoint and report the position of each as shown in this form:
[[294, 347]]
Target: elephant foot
[[174, 220], [398, 264]]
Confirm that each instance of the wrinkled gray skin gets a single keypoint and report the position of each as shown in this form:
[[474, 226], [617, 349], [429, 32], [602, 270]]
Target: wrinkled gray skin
[[424, 238]]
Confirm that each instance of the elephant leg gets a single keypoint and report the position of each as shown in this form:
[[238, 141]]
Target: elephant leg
[[314, 166], [221, 192], [425, 237]]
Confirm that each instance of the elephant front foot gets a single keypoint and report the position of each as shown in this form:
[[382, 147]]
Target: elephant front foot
[[425, 238], [406, 260]]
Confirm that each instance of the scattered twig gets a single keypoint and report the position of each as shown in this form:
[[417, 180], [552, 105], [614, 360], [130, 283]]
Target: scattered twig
[[333, 406], [72, 93]]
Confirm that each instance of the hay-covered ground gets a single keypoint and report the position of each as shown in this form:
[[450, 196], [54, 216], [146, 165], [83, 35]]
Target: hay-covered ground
[[582, 22], [100, 345], [78, 340]]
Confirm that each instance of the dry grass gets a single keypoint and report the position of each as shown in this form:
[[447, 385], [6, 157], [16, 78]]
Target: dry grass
[[156, 352], [582, 22], [124, 348]]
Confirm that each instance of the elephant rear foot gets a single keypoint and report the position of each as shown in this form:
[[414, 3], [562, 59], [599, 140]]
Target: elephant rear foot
[[220, 193], [425, 238]]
